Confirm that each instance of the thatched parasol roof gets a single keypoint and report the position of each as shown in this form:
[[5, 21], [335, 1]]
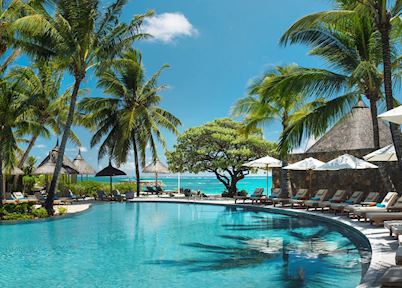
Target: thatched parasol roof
[[14, 171], [156, 167], [82, 166], [110, 171], [48, 164], [353, 132]]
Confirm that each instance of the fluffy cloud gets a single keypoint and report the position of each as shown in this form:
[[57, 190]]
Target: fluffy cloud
[[166, 27], [40, 146], [83, 149]]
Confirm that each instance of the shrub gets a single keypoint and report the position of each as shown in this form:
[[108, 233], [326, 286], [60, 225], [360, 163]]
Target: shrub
[[125, 187], [29, 183], [17, 216], [87, 188], [62, 210], [39, 212]]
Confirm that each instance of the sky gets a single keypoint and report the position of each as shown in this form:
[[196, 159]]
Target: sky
[[214, 49]]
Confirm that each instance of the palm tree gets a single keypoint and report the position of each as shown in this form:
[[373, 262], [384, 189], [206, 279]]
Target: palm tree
[[13, 106], [351, 48], [131, 118], [262, 106], [42, 81], [78, 35], [384, 13]]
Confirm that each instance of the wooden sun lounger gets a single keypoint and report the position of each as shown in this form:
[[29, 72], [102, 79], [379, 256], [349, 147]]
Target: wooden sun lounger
[[299, 198], [355, 198], [339, 196], [388, 201], [321, 195], [377, 218]]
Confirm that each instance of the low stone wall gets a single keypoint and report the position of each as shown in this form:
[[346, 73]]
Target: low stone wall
[[349, 180]]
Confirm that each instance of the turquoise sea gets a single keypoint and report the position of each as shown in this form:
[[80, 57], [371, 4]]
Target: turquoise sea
[[206, 184]]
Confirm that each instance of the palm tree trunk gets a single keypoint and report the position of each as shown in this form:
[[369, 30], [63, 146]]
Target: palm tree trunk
[[59, 162], [384, 29], [374, 122], [25, 157], [137, 167], [1, 181]]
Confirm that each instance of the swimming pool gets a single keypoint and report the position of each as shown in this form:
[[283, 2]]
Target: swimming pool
[[178, 245]]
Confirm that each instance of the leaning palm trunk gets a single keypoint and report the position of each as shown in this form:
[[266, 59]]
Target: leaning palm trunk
[[395, 130], [1, 181], [137, 167], [374, 122], [284, 179], [59, 162], [25, 157]]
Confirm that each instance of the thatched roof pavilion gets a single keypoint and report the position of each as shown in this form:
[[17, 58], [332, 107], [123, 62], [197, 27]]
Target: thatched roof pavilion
[[353, 132], [82, 166]]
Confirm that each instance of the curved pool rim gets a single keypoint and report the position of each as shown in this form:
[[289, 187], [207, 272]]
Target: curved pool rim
[[305, 214]]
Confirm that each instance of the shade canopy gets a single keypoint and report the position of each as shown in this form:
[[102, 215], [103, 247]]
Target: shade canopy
[[14, 172], [156, 167], [305, 165], [385, 154], [346, 161], [82, 166], [393, 115], [264, 163], [47, 166], [110, 171]]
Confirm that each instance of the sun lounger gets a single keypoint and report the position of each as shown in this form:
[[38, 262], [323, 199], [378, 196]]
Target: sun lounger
[[392, 277], [389, 224], [257, 195], [355, 198], [338, 197], [117, 196], [19, 197], [321, 195], [241, 195], [101, 195], [389, 200], [370, 200], [129, 195], [150, 190], [283, 198], [275, 193], [41, 199], [376, 218], [299, 198]]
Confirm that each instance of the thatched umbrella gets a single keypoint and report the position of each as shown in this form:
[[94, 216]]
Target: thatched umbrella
[[110, 171], [156, 167], [82, 166]]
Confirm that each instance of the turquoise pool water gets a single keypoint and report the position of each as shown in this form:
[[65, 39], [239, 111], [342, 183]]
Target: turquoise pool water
[[206, 184], [177, 245]]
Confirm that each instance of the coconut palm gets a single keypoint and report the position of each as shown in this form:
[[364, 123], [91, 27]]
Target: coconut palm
[[78, 35], [263, 105], [131, 119], [49, 109]]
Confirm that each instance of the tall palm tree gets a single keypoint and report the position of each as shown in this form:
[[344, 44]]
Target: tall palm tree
[[262, 106], [78, 35], [351, 48], [42, 81], [385, 13], [13, 106], [131, 119]]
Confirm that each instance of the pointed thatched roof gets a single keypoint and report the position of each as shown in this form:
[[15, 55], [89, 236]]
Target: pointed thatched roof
[[48, 164], [82, 165], [353, 132]]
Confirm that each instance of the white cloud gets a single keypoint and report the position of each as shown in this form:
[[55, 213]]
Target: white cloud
[[166, 27], [40, 146], [83, 149]]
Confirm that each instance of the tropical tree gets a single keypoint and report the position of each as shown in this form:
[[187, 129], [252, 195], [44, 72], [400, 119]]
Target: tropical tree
[[131, 118], [262, 105], [220, 148], [48, 113], [78, 35]]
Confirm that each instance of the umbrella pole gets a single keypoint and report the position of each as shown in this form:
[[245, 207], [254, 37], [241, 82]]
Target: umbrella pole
[[267, 180], [110, 182], [156, 179]]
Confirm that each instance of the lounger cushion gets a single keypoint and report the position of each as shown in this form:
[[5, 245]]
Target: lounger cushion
[[315, 198], [380, 205], [349, 202]]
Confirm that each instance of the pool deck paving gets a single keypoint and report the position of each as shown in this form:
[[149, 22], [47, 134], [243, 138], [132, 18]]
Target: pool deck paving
[[383, 246]]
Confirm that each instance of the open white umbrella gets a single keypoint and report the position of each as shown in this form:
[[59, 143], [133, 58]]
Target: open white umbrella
[[346, 161], [265, 163], [308, 164], [385, 154], [156, 167], [393, 115]]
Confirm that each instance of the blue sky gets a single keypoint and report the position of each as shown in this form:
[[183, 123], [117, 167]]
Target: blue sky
[[214, 48]]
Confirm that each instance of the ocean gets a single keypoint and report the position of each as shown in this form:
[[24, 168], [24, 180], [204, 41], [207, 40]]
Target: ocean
[[206, 184]]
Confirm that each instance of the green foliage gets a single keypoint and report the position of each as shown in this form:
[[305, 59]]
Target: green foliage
[[218, 147], [29, 183], [22, 211], [125, 187], [87, 188], [62, 210], [39, 212]]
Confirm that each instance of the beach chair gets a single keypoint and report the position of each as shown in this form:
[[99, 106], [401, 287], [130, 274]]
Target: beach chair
[[370, 200], [9, 198], [150, 190], [117, 196], [240, 195], [101, 195], [392, 213], [129, 195], [361, 212], [19, 197], [389, 224], [299, 198], [338, 197], [321, 195], [355, 198], [257, 195], [41, 199]]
